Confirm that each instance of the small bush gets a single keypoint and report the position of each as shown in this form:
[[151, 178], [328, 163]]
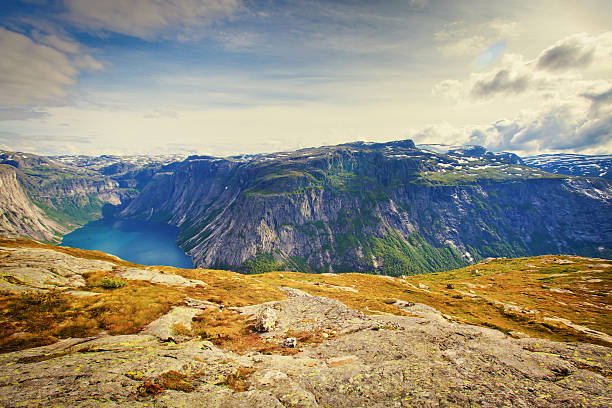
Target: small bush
[[112, 283], [237, 381], [173, 380]]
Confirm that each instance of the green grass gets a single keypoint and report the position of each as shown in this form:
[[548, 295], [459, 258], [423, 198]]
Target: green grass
[[468, 175]]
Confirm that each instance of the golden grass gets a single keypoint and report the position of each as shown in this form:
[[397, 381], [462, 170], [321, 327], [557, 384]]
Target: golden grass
[[173, 380], [579, 291], [237, 381], [524, 282]]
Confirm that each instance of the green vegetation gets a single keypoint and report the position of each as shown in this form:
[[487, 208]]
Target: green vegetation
[[472, 174], [77, 210], [263, 262], [413, 257], [112, 283]]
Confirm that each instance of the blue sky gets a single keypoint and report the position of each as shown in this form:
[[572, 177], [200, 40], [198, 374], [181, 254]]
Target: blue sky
[[243, 76]]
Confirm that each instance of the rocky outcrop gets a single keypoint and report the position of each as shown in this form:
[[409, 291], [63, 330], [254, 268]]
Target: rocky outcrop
[[318, 352], [44, 199], [373, 361]]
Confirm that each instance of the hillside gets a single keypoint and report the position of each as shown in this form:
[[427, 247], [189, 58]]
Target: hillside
[[109, 332], [387, 208], [45, 199]]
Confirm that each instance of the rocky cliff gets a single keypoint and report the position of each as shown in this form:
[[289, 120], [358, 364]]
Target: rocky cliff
[[44, 199], [388, 208], [19, 215]]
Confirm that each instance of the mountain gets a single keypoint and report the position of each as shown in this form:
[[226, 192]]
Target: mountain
[[573, 164], [388, 208], [86, 329], [47, 197], [44, 199]]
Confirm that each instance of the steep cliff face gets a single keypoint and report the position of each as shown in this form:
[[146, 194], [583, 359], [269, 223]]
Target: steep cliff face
[[19, 216], [386, 208], [60, 197]]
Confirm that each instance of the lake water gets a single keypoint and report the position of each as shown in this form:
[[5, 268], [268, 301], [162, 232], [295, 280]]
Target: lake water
[[141, 242]]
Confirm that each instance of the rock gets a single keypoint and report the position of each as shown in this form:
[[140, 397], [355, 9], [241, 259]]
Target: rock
[[424, 359], [157, 276], [41, 268], [290, 342], [423, 286], [518, 335], [450, 286], [266, 320], [560, 290], [164, 327], [82, 293]]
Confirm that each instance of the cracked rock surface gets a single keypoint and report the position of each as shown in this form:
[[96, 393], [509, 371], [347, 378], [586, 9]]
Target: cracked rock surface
[[371, 361]]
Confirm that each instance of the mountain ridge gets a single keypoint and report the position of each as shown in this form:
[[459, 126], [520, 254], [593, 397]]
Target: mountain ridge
[[390, 208], [307, 208]]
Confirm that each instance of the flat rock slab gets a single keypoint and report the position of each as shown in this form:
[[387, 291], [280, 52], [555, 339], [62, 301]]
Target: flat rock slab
[[157, 276], [41, 268], [164, 327]]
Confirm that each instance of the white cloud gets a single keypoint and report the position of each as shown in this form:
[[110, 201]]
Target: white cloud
[[33, 73], [149, 18], [566, 127], [570, 99], [555, 71], [60, 44]]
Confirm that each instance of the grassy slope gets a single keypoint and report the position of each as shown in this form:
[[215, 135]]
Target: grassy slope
[[574, 288]]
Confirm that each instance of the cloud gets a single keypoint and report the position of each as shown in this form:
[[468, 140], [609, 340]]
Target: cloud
[[147, 19], [598, 99], [544, 75], [567, 127], [576, 51], [504, 81], [33, 73], [42, 144], [21, 114]]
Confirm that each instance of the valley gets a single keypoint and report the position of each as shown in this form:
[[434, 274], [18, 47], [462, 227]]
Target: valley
[[386, 208]]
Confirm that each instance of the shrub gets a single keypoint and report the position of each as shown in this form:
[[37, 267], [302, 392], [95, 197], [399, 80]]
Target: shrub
[[112, 283]]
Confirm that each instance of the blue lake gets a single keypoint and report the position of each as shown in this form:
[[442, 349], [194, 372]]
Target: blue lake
[[142, 242]]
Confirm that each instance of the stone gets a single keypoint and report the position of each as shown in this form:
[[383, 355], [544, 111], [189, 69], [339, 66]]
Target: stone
[[164, 327], [266, 320], [290, 342]]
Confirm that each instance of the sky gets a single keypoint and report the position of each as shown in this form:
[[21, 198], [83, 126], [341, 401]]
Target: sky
[[225, 77]]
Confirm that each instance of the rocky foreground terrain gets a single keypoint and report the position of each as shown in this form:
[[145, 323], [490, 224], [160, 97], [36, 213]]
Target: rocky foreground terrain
[[82, 328]]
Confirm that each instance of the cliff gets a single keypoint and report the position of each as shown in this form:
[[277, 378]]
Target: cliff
[[54, 198], [384, 208], [19, 216]]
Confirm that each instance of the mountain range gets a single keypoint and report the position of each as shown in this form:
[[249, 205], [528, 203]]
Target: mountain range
[[388, 208]]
